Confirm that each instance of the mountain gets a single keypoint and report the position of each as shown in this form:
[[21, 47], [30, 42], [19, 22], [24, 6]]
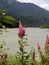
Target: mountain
[[30, 14]]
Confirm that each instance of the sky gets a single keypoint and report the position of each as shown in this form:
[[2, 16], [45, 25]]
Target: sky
[[42, 3]]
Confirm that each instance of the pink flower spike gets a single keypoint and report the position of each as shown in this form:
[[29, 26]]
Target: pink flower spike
[[38, 46], [21, 29], [3, 58], [20, 25], [33, 55], [47, 39], [45, 47]]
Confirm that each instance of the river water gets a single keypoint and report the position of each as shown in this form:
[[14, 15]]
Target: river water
[[34, 36]]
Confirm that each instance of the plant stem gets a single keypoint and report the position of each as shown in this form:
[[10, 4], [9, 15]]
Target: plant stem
[[22, 60]]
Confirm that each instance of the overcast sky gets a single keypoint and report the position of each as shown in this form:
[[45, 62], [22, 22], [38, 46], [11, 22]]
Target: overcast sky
[[42, 3]]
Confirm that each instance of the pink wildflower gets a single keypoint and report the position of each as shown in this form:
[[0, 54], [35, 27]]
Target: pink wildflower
[[45, 47], [33, 55], [38, 46], [21, 30], [3, 58], [47, 39]]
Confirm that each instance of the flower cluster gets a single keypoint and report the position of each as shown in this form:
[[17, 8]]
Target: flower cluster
[[21, 32], [38, 46], [47, 39]]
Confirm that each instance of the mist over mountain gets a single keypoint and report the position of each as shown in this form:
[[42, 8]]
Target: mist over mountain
[[30, 14]]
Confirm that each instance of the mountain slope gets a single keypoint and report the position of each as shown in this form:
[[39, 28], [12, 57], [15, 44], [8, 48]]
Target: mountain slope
[[30, 14]]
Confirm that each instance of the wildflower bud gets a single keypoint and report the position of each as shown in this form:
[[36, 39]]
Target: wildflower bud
[[33, 55], [45, 47], [38, 46], [3, 61], [3, 58], [47, 39]]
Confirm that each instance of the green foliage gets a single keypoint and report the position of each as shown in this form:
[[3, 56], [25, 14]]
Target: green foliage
[[44, 26], [2, 48], [9, 17], [11, 60], [1, 25], [8, 21]]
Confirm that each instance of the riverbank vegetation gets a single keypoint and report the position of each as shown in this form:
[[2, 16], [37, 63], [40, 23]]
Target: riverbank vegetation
[[7, 20], [10, 21]]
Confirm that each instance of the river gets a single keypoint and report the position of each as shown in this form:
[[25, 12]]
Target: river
[[34, 36]]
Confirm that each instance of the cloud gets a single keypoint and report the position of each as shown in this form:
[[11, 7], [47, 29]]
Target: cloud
[[41, 3], [28, 1], [44, 5], [31, 1]]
